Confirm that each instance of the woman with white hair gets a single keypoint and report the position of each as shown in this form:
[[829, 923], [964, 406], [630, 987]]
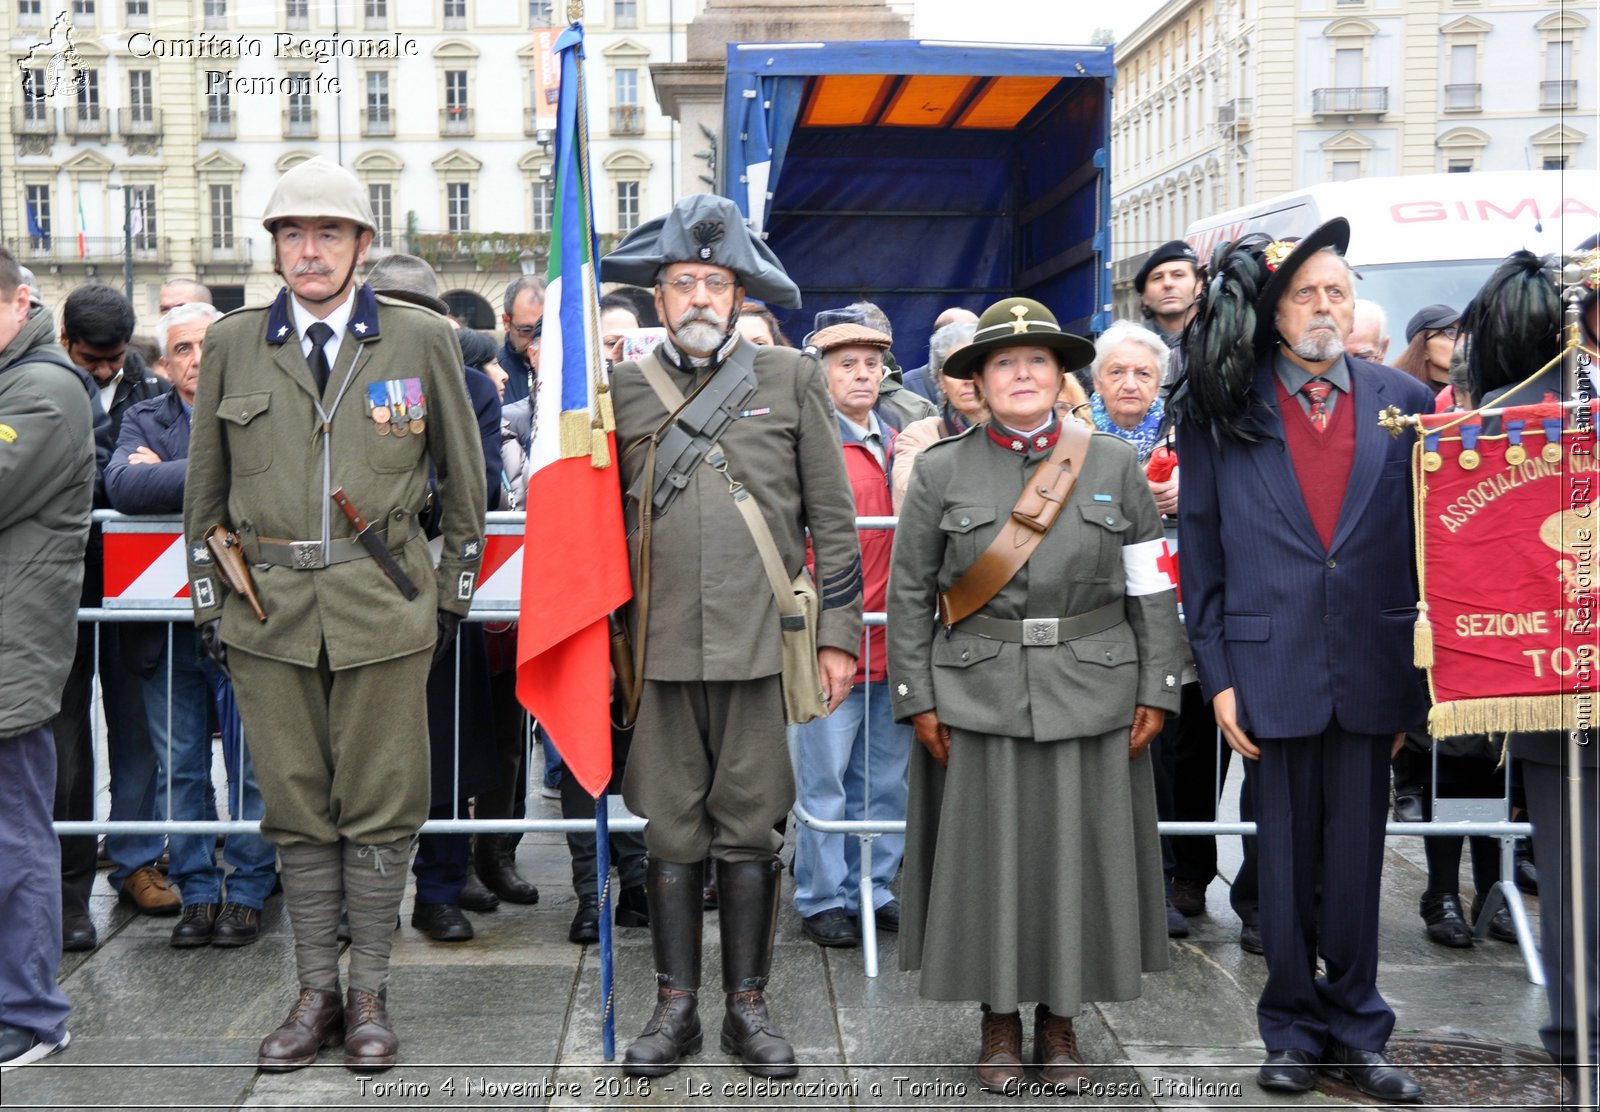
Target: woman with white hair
[[1130, 363]]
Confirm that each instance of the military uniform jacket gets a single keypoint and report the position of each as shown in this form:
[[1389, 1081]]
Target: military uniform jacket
[[712, 614], [256, 463], [961, 494]]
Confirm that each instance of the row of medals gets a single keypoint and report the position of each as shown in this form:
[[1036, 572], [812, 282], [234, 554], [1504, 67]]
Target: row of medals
[[399, 420], [1515, 454]]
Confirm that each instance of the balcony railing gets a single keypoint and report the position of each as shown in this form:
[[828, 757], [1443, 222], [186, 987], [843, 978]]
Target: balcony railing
[[33, 119], [140, 122], [219, 126], [1558, 94], [1350, 100], [627, 119], [299, 123], [1235, 115], [377, 124], [487, 250], [218, 251], [456, 121], [97, 250], [92, 123], [1463, 98]]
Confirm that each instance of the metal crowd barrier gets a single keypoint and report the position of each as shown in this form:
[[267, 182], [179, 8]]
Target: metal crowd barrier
[[145, 603]]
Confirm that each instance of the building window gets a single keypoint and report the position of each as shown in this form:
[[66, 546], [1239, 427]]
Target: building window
[[219, 114], [136, 13], [297, 14], [30, 13], [458, 206], [221, 217], [89, 96], [1558, 89], [38, 200], [625, 13], [380, 195], [142, 216], [141, 97], [216, 14], [627, 206], [83, 13], [455, 14], [627, 87], [378, 119], [1555, 162], [1459, 166], [457, 112], [1346, 171], [544, 204], [376, 14], [299, 119], [34, 105], [539, 14], [1464, 92]]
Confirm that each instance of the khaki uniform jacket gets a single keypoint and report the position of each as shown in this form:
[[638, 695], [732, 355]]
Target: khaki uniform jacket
[[962, 491], [256, 463], [712, 614]]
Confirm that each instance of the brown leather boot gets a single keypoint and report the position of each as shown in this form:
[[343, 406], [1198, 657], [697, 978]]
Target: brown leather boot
[[1055, 1048], [672, 891], [1000, 1060], [369, 1041], [314, 1022]]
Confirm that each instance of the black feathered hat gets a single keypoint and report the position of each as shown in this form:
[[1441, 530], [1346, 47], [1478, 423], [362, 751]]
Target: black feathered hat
[[1515, 322]]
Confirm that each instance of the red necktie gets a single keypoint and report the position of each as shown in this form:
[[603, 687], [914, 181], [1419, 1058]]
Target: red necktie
[[1316, 392]]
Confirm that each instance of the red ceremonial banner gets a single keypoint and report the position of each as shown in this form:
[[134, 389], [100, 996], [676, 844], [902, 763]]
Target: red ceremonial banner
[[1507, 536]]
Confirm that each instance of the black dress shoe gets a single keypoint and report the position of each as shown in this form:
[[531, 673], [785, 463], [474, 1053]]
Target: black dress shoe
[[1372, 1073], [1250, 939], [1527, 873], [830, 928], [78, 935], [1441, 912], [1288, 1071], [1501, 928], [633, 909], [441, 922], [475, 896], [236, 925], [585, 929], [194, 926], [1189, 896], [1408, 806], [887, 917], [1177, 925]]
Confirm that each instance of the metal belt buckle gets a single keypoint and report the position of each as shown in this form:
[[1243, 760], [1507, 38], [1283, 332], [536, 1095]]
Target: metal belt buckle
[[307, 554], [1041, 631]]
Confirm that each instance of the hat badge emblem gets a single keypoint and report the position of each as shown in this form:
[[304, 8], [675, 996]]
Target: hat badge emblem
[[1277, 251], [1021, 323], [707, 233]]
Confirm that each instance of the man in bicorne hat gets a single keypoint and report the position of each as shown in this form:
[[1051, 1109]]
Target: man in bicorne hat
[[709, 766], [1300, 598]]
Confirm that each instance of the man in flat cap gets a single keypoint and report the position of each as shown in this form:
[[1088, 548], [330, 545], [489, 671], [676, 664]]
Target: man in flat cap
[[1299, 596], [709, 766], [332, 389]]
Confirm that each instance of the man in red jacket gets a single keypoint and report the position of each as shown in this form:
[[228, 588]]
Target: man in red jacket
[[852, 764]]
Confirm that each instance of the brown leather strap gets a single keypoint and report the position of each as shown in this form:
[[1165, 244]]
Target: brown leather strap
[[1031, 518]]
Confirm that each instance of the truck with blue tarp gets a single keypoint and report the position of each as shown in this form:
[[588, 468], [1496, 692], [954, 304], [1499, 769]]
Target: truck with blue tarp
[[921, 175]]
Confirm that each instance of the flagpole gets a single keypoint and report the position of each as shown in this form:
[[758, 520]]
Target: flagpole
[[127, 241]]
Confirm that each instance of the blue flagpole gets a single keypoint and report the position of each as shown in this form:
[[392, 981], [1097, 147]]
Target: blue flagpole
[[602, 845]]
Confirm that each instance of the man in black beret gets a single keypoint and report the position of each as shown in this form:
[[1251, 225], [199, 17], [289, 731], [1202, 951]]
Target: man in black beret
[[1169, 285]]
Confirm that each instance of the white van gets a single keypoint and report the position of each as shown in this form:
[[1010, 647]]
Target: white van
[[1428, 238]]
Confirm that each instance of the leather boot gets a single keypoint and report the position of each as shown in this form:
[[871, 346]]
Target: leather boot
[[673, 893], [314, 1022], [1055, 1048], [749, 912], [495, 856], [1000, 1059], [369, 1041]]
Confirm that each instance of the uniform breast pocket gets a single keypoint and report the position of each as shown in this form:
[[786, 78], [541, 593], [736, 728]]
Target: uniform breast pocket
[[249, 433], [1105, 527], [965, 534]]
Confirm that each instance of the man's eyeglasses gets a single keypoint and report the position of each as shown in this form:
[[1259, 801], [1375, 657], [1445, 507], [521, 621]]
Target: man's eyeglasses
[[684, 284], [525, 331]]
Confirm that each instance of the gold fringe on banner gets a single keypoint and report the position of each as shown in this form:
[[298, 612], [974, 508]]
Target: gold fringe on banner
[[575, 434], [608, 411], [599, 448], [1512, 713], [1422, 638]]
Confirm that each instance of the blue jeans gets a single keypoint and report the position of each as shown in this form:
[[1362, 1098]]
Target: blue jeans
[[136, 793], [30, 888], [194, 868], [833, 781]]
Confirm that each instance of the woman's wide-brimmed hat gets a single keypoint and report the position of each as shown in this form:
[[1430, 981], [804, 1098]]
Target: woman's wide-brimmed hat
[[1018, 322], [1285, 256]]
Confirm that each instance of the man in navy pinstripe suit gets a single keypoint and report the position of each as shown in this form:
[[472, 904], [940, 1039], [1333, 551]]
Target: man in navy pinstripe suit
[[1300, 596]]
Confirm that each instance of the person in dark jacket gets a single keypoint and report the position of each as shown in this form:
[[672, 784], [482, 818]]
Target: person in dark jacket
[[524, 313], [47, 470], [182, 686], [96, 324]]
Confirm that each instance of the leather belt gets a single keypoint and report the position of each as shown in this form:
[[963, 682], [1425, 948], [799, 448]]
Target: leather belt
[[307, 555], [1044, 632]]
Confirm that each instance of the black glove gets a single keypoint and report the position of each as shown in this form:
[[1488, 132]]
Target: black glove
[[211, 642], [447, 635]]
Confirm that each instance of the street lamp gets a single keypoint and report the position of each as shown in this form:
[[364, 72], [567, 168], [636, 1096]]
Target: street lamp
[[528, 261]]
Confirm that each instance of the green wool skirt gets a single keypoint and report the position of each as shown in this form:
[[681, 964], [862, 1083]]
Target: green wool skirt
[[1032, 872]]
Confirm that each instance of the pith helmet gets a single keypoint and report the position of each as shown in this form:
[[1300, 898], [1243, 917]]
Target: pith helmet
[[319, 189], [702, 228], [1018, 322]]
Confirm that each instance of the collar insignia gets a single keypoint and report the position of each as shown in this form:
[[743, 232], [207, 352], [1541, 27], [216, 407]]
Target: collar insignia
[[1041, 442], [1021, 323], [360, 327], [282, 331]]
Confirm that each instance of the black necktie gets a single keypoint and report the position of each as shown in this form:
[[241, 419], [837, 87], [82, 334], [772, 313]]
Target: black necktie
[[320, 334]]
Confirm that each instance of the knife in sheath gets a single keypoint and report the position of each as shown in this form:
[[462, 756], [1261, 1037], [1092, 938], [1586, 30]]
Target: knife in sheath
[[374, 544]]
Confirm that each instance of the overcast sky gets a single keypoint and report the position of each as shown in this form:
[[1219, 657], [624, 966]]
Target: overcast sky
[[1062, 21]]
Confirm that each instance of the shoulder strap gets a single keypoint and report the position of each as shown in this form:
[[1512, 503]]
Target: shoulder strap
[[1031, 518], [760, 532]]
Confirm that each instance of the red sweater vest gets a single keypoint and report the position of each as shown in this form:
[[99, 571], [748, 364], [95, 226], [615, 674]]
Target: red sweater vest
[[1322, 459]]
